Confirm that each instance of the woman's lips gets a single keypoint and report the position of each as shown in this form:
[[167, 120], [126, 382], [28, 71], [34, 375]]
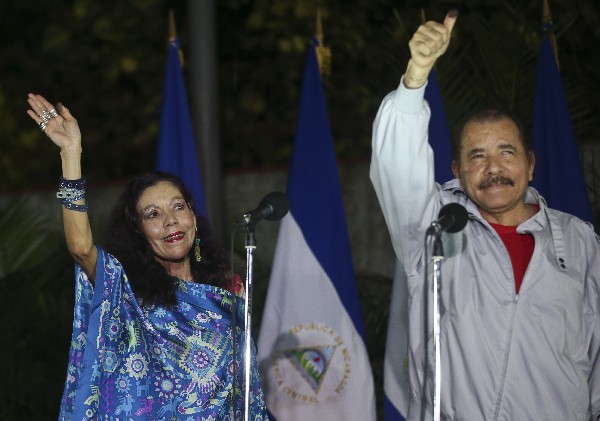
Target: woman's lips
[[176, 236]]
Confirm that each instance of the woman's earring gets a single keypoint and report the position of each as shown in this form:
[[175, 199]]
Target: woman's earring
[[197, 254]]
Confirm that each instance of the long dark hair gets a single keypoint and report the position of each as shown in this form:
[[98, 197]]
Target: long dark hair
[[150, 281]]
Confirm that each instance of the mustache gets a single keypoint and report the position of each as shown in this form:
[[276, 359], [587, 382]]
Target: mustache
[[497, 179]]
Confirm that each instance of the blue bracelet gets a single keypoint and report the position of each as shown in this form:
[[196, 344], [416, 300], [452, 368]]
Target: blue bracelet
[[78, 184], [75, 207], [70, 191]]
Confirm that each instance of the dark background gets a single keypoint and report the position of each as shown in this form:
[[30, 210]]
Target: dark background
[[105, 61]]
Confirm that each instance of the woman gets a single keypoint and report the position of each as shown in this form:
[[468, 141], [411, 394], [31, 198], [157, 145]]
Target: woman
[[152, 335]]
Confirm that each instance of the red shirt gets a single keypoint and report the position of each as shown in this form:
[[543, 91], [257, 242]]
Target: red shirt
[[238, 285], [520, 249]]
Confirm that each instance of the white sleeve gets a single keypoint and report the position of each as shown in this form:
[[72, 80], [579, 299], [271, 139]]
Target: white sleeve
[[402, 170]]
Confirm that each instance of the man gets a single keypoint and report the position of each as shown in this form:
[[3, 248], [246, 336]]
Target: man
[[520, 329]]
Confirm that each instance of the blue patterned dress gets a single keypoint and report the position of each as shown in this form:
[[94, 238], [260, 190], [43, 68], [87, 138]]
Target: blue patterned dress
[[132, 362]]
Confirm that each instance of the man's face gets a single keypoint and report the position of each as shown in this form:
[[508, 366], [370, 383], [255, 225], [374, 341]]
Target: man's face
[[494, 168]]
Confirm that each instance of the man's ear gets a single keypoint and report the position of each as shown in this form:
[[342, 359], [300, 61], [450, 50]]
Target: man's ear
[[455, 169], [531, 165]]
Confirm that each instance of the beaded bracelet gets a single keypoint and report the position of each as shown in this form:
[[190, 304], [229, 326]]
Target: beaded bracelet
[[70, 194], [70, 191], [75, 207], [78, 184]]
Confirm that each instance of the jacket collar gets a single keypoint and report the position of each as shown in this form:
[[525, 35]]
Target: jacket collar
[[543, 219]]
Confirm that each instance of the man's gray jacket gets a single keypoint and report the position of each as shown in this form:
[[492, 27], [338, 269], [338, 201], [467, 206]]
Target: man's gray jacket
[[504, 356]]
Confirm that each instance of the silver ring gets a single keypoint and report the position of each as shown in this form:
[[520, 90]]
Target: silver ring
[[53, 112], [46, 116], [43, 125]]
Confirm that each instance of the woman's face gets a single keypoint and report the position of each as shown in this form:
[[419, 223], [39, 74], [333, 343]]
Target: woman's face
[[167, 222]]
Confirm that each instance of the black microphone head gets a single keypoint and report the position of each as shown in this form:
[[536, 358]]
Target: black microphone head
[[458, 213], [279, 204]]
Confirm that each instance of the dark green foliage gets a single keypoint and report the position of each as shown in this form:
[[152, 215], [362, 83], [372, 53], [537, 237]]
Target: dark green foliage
[[36, 296], [105, 61]]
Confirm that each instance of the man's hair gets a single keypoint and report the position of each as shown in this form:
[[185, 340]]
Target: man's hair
[[126, 241], [489, 115]]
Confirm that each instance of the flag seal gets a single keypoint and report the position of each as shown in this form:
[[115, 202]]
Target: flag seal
[[311, 364]]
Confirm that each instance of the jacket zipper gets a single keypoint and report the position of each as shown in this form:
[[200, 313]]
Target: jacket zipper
[[510, 332], [504, 368]]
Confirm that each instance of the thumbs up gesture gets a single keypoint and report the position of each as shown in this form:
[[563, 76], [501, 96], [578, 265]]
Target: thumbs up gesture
[[429, 42]]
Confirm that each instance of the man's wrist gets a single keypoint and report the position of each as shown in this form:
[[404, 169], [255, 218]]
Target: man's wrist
[[415, 76]]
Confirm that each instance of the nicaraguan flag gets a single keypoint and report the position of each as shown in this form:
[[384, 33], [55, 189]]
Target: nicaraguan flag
[[395, 374], [311, 348], [176, 145], [558, 174], [439, 133]]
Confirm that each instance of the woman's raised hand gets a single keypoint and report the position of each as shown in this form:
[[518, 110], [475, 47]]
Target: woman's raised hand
[[57, 122]]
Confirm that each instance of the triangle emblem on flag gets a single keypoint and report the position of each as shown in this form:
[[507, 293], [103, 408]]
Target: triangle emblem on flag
[[311, 363]]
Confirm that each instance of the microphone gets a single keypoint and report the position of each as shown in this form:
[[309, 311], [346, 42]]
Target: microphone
[[272, 207], [452, 218]]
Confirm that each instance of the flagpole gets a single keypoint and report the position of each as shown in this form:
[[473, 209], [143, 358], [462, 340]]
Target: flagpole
[[204, 94], [547, 26]]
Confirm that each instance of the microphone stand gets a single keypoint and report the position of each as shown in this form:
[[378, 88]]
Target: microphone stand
[[438, 257], [272, 207], [250, 248]]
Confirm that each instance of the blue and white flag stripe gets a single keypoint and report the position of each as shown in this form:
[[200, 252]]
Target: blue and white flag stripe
[[311, 351], [304, 312], [315, 193]]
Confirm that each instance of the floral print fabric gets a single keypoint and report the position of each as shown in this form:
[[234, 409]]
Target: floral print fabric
[[132, 362]]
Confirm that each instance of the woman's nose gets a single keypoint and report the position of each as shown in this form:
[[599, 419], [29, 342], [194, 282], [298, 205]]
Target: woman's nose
[[170, 219]]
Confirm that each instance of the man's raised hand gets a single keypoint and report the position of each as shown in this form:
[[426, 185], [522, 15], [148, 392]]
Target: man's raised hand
[[429, 42]]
